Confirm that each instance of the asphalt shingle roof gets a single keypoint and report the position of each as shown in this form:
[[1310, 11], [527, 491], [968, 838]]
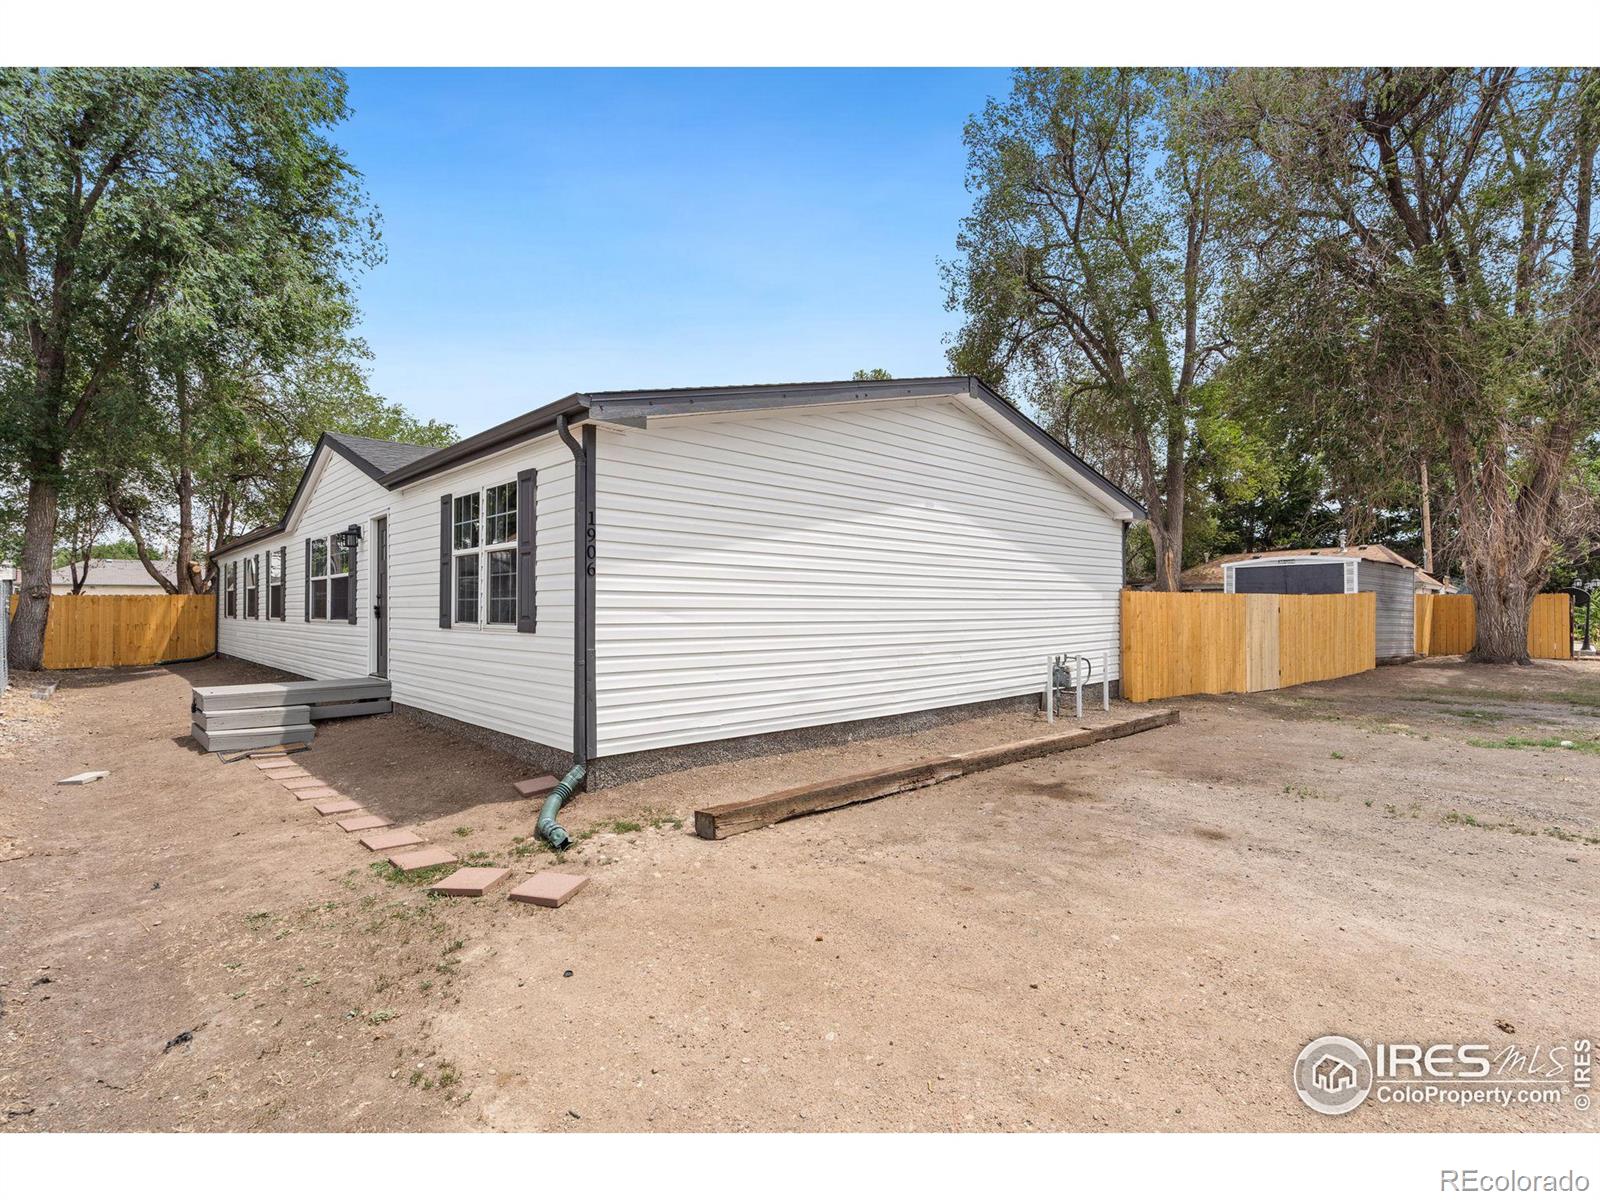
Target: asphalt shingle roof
[[384, 456]]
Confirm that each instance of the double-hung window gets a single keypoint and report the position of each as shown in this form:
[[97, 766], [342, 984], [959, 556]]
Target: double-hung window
[[252, 588], [231, 588], [275, 585], [338, 579], [319, 579], [484, 546]]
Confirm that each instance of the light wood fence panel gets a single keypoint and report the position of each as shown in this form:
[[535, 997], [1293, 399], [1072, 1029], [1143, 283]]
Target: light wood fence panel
[[1550, 626], [1449, 625], [1446, 624], [1182, 644], [128, 631], [1205, 643], [1324, 637]]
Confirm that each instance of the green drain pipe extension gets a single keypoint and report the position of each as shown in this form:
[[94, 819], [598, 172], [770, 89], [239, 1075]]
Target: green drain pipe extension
[[547, 827]]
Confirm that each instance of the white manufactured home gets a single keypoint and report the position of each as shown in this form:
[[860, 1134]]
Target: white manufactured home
[[634, 579]]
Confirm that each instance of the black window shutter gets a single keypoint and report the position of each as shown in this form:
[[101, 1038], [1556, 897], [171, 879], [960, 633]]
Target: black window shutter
[[527, 496], [444, 562], [306, 579], [261, 593], [283, 582], [354, 547]]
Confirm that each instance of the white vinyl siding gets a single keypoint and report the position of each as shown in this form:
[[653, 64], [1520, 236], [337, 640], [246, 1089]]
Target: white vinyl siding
[[485, 674], [490, 675], [772, 571], [339, 495]]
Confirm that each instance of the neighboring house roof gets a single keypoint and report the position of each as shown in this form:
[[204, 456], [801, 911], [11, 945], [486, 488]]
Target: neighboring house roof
[[1209, 574], [636, 408], [114, 572], [1426, 582]]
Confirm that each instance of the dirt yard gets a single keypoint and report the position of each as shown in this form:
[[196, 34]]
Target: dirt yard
[[1140, 935]]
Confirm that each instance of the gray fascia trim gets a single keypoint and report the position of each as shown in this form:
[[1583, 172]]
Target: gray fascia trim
[[625, 406], [249, 539], [1087, 473], [519, 429]]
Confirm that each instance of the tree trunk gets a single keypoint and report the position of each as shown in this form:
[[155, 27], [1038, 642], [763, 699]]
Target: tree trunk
[[1502, 607], [181, 569], [26, 639], [1427, 522]]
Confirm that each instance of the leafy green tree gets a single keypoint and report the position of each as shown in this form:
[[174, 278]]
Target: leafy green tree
[[872, 373], [1423, 285], [1090, 266], [121, 192]]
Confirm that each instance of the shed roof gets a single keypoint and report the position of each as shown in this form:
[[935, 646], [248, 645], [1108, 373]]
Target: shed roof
[[1209, 574]]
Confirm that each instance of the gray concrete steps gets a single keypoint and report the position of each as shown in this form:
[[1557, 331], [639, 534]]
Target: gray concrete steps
[[251, 739], [297, 692], [253, 718]]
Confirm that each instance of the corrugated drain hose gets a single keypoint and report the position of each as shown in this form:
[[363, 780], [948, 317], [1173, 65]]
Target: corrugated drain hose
[[547, 827]]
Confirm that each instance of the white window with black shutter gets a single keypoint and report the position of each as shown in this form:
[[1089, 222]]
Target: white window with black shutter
[[318, 574], [339, 559], [252, 587], [331, 579], [488, 564], [275, 567]]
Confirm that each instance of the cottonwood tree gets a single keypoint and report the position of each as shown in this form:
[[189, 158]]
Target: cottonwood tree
[[118, 190], [1089, 268], [1424, 283]]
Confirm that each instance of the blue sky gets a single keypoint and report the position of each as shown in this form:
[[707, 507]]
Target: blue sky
[[551, 231]]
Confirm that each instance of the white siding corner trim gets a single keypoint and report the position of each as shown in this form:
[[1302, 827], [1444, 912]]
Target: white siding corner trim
[[769, 571]]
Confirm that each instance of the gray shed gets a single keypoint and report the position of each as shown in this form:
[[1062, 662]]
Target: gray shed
[[1323, 572]]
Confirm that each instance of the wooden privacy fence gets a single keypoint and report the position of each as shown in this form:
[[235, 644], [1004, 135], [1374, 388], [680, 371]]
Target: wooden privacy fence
[[1449, 625], [1193, 643], [127, 631]]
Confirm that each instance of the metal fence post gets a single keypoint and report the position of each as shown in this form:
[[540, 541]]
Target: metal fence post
[[5, 631]]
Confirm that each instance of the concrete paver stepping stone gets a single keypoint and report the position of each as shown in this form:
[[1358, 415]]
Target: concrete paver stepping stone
[[416, 860], [549, 889], [392, 839], [284, 774], [343, 804], [84, 777], [364, 821], [470, 881], [319, 791], [542, 786]]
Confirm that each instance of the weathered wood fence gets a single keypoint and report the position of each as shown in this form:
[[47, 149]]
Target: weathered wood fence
[[1449, 625], [1194, 643], [127, 631]]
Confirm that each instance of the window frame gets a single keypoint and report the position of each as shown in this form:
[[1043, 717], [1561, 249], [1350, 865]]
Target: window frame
[[345, 554], [313, 578], [230, 589], [252, 588], [277, 564], [504, 521]]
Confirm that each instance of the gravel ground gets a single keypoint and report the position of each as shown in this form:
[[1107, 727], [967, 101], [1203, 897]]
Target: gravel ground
[[1140, 935]]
